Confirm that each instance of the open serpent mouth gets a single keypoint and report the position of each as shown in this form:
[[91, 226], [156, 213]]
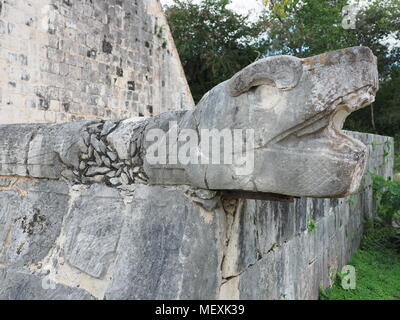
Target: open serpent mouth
[[323, 133], [320, 156], [346, 105]]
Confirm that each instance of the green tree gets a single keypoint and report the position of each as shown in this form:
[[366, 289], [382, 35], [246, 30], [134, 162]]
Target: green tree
[[306, 27], [375, 24], [309, 27], [213, 41]]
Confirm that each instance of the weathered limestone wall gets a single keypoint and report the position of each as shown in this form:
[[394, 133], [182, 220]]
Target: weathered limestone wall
[[66, 60], [277, 255], [64, 241]]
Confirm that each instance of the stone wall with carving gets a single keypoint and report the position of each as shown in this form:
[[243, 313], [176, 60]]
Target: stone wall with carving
[[67, 60], [65, 240], [84, 216]]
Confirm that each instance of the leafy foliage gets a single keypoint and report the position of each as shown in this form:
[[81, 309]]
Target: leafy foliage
[[213, 41], [387, 194], [397, 162], [377, 267], [396, 240], [316, 27], [386, 110], [309, 27], [306, 27], [311, 225]]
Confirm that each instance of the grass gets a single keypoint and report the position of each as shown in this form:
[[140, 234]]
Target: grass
[[397, 153], [377, 265]]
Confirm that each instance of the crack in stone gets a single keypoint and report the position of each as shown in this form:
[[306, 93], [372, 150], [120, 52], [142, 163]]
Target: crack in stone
[[33, 135]]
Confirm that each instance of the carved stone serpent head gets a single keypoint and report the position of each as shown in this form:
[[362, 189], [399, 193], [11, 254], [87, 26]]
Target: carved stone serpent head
[[296, 108], [284, 114]]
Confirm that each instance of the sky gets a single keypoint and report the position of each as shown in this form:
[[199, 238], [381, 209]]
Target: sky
[[241, 6]]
